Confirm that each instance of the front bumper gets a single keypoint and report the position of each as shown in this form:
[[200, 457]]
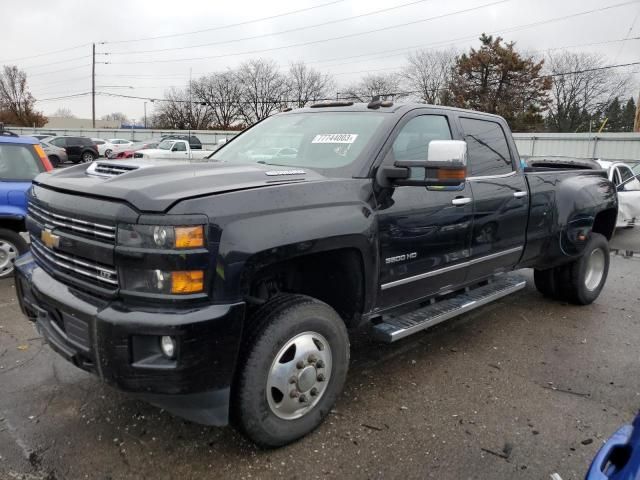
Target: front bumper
[[121, 344]]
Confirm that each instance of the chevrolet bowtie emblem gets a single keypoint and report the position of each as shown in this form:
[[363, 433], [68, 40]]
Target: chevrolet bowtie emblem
[[49, 239]]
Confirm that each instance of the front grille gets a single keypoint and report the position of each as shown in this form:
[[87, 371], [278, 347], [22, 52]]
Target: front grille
[[95, 230], [98, 274]]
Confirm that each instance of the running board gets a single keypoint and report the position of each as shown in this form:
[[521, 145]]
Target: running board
[[394, 327]]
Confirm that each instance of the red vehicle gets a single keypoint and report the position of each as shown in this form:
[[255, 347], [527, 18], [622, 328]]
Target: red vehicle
[[136, 146]]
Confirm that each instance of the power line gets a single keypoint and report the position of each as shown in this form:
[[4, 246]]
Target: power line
[[173, 35], [75, 95], [282, 32], [44, 54], [314, 42], [471, 37], [57, 62], [56, 71]]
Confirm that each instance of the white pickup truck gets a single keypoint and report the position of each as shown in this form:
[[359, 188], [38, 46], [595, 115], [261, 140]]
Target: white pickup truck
[[174, 149]]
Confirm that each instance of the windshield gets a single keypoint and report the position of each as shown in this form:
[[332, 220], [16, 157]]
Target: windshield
[[165, 145], [323, 140]]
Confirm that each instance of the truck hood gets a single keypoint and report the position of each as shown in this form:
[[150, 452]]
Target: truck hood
[[151, 152], [156, 185]]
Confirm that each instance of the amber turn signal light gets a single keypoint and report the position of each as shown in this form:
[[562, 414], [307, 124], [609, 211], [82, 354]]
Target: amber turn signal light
[[191, 281], [189, 237], [452, 174]]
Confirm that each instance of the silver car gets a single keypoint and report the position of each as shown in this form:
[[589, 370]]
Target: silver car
[[57, 155]]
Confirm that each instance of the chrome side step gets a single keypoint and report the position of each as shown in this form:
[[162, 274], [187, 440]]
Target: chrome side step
[[395, 327]]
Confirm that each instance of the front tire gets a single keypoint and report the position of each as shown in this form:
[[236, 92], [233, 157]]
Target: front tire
[[11, 246], [297, 358], [107, 154]]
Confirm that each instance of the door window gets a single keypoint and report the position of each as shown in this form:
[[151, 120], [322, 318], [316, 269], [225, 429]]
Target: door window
[[58, 142], [179, 147], [412, 143], [487, 147]]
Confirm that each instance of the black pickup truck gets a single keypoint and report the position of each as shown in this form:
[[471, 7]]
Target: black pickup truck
[[226, 289]]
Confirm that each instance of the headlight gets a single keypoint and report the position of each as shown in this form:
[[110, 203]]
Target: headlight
[[159, 281], [161, 236]]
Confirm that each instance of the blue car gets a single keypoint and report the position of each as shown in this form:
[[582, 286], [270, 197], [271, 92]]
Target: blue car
[[21, 159], [619, 457]]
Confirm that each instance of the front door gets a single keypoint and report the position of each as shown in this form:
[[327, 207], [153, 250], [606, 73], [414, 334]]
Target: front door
[[500, 196], [424, 233]]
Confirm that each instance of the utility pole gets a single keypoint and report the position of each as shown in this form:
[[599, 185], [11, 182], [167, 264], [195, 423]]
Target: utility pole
[[93, 85]]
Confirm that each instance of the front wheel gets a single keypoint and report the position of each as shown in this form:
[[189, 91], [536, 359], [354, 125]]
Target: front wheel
[[11, 246], [296, 362], [107, 154]]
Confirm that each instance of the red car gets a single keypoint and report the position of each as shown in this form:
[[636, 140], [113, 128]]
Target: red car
[[136, 146]]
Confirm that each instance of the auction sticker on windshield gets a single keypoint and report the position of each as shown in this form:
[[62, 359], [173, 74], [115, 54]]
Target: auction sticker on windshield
[[335, 138]]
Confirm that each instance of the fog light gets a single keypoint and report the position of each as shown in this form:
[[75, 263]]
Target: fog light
[[168, 346]]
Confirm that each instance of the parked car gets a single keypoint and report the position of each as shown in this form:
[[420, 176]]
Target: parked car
[[228, 286], [56, 155], [628, 186], [619, 457], [194, 142], [111, 145], [79, 149], [175, 149], [21, 159], [129, 151]]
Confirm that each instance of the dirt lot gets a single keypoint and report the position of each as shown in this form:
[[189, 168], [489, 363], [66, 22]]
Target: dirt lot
[[519, 389]]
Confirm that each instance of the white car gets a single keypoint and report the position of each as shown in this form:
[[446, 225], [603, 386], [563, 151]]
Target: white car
[[111, 145], [628, 187]]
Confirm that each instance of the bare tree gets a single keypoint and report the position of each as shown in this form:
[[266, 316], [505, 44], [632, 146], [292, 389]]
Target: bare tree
[[63, 112], [116, 117], [385, 85], [222, 93], [264, 89], [179, 111], [429, 72], [307, 84], [580, 89], [17, 105]]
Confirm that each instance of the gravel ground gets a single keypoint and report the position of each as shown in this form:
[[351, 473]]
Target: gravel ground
[[521, 388]]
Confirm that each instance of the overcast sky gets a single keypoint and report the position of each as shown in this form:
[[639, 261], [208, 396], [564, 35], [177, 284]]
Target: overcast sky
[[32, 30]]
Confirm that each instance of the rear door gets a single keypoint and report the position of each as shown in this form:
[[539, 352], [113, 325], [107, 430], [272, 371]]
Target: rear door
[[74, 147], [424, 232], [500, 196]]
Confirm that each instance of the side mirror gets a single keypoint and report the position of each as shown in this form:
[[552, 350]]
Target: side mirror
[[446, 166]]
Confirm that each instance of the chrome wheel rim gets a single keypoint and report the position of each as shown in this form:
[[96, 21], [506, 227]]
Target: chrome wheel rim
[[299, 375], [8, 254], [595, 269]]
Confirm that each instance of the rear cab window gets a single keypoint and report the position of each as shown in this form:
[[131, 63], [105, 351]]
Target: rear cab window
[[487, 147], [19, 162]]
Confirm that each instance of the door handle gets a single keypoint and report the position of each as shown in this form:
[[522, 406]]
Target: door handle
[[520, 194], [458, 202]]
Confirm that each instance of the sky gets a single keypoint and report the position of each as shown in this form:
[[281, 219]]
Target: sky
[[145, 47]]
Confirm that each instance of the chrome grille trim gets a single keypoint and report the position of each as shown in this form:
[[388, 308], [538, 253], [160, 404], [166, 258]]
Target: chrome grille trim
[[69, 263], [47, 217]]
